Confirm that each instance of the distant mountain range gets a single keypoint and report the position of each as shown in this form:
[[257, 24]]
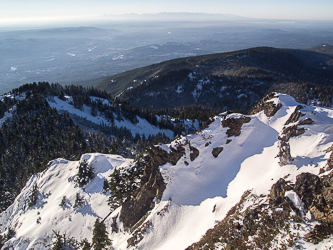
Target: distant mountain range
[[174, 16]]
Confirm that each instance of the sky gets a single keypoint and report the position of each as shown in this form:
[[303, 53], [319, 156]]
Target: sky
[[31, 10]]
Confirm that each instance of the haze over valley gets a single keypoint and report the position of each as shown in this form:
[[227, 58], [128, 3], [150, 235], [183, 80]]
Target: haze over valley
[[89, 52]]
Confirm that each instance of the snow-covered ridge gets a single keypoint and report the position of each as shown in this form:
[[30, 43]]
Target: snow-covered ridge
[[199, 192]]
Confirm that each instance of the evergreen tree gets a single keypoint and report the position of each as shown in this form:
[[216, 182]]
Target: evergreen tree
[[105, 186], [79, 201], [33, 196], [85, 245], [63, 202], [100, 238], [85, 173], [62, 243]]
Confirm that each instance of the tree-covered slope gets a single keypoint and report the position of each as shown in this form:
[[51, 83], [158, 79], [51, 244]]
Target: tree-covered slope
[[233, 80]]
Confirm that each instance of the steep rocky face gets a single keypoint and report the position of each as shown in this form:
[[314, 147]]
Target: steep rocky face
[[267, 106], [152, 185], [234, 124]]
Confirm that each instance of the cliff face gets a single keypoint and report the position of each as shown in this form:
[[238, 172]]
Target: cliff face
[[152, 186]]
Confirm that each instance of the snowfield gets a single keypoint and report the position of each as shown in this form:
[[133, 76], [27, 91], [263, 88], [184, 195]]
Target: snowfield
[[198, 194]]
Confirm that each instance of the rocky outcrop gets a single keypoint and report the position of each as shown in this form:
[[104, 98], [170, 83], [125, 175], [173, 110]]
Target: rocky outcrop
[[295, 115], [277, 193], [330, 159], [217, 151], [284, 151], [194, 153], [267, 106], [234, 124], [307, 121], [309, 188], [317, 195], [152, 186], [291, 131]]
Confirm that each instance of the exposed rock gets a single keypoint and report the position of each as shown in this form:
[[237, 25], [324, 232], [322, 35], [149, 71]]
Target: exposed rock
[[277, 193], [207, 144], [269, 108], [308, 187], [295, 115], [138, 234], [234, 125], [217, 151], [194, 153], [284, 151], [330, 159], [307, 121], [292, 131], [152, 185], [228, 141], [319, 233], [249, 219]]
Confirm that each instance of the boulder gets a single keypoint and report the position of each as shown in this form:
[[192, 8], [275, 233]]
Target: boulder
[[194, 153], [217, 151], [277, 193]]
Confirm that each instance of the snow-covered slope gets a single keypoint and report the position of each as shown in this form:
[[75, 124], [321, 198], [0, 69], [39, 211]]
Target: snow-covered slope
[[34, 225], [200, 188]]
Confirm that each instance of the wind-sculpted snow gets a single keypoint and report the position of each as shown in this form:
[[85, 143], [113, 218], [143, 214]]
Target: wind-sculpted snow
[[199, 190]]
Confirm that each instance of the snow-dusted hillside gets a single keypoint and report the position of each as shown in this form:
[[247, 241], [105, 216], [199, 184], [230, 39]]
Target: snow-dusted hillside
[[235, 153], [142, 127]]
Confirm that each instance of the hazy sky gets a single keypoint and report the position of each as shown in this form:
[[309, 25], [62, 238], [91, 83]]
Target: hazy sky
[[20, 10]]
